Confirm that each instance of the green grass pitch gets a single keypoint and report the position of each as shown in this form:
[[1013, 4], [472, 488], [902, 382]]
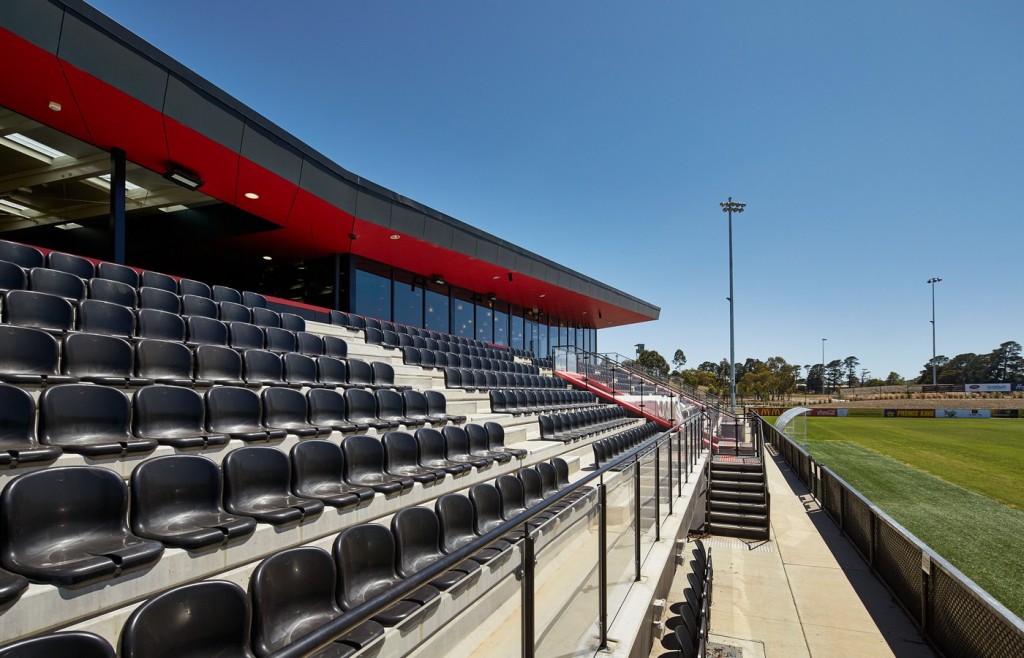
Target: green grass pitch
[[957, 484]]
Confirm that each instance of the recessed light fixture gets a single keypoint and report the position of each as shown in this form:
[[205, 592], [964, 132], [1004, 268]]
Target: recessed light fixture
[[175, 208], [55, 106], [190, 181], [68, 226], [491, 296], [395, 236], [268, 258], [584, 312], [10, 205], [30, 147], [104, 183], [543, 295], [252, 195], [438, 279]]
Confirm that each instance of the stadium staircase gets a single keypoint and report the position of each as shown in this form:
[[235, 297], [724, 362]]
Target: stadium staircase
[[738, 501]]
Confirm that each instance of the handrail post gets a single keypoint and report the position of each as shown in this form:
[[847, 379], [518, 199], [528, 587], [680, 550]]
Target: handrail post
[[602, 566], [657, 493], [668, 467], [529, 560], [636, 517]]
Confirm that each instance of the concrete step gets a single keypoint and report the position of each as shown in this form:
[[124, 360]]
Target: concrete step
[[740, 531], [736, 485], [735, 518], [745, 476], [753, 497], [739, 507], [736, 466]]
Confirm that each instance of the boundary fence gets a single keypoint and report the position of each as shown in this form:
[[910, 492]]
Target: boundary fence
[[951, 611]]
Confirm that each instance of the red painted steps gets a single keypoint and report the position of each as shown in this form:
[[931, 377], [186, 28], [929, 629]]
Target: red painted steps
[[605, 393]]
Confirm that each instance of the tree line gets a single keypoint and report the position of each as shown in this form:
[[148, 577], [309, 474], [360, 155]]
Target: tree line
[[1003, 365]]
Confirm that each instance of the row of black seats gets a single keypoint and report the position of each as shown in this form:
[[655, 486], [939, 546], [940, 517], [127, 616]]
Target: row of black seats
[[292, 593], [101, 421], [395, 340], [611, 447], [692, 618], [519, 402], [427, 358], [483, 380], [57, 315], [354, 321], [27, 257], [67, 526], [575, 425]]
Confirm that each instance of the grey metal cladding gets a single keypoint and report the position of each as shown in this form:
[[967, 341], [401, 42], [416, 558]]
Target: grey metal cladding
[[407, 221], [506, 258], [202, 113], [463, 242], [333, 189], [438, 233], [564, 279], [271, 153], [487, 251], [36, 21], [99, 54], [373, 208]]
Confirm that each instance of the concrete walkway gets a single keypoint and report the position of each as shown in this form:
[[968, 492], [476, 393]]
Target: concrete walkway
[[806, 592]]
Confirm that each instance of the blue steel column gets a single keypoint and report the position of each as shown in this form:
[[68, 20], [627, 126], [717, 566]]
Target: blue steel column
[[117, 189]]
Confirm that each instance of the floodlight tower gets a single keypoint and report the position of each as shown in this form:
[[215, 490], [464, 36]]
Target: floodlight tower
[[932, 281], [731, 207], [823, 365]]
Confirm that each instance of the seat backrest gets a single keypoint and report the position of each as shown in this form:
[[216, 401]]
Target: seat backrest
[[112, 291], [299, 368], [159, 299], [455, 513], [27, 308], [359, 372], [548, 478], [225, 294], [339, 318], [266, 317], [253, 299], [97, 355], [533, 486], [263, 366], [309, 344], [27, 351], [12, 276], [55, 282], [431, 444], [495, 435], [327, 407], [201, 306], [315, 462], [21, 254], [356, 321], [362, 454], [417, 533], [231, 312], [456, 440], [166, 410], [436, 402], [217, 362], [211, 614], [231, 407], [415, 404], [400, 449], [513, 498], [283, 407], [389, 404], [73, 411], [331, 371], [152, 279], [280, 340], [561, 472], [99, 317], [365, 557], [477, 438], [163, 488], [72, 643], [287, 589], [17, 416], [336, 347], [383, 373], [292, 322], [486, 501], [160, 325], [206, 331], [192, 287], [245, 336], [116, 272], [253, 472]]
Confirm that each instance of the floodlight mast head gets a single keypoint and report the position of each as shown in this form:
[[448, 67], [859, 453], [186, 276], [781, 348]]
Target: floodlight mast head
[[731, 206]]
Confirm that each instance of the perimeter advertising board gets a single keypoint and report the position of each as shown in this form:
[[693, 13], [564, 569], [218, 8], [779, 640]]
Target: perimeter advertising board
[[770, 411], [1006, 413], [988, 388], [909, 413], [963, 413], [864, 413]]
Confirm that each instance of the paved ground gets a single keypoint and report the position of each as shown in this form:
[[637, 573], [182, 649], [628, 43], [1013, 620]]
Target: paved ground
[[806, 592]]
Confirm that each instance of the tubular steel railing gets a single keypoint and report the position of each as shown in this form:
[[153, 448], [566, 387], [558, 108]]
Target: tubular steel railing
[[951, 611], [644, 460]]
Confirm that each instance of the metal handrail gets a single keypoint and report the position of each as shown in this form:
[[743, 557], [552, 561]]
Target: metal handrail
[[338, 626]]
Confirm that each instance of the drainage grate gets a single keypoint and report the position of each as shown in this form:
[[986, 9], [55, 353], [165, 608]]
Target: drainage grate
[[736, 544]]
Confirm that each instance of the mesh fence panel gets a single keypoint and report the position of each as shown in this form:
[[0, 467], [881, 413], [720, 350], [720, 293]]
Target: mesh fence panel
[[832, 497], [857, 519], [898, 562], [962, 625]]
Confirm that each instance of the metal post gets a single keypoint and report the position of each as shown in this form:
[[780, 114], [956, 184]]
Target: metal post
[[602, 565], [730, 207], [529, 562], [823, 365], [636, 518], [657, 493], [668, 467], [935, 378], [117, 208]]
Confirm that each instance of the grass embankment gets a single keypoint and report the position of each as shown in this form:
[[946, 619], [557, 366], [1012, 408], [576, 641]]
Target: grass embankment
[[956, 484]]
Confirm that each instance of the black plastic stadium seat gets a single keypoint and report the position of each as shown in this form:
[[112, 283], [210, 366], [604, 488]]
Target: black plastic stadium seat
[[265, 317], [193, 287], [360, 374], [159, 299], [253, 299], [12, 277], [292, 322], [174, 416], [332, 372], [68, 526], [416, 409], [206, 331], [300, 370], [292, 594], [317, 472], [263, 368], [401, 457], [54, 282], [99, 317], [280, 340], [230, 312], [479, 444], [486, 501], [152, 279], [327, 408], [437, 407], [364, 466], [391, 408], [455, 512], [365, 555], [83, 268], [257, 483], [220, 365], [384, 376], [225, 294], [417, 535], [114, 292], [27, 308], [245, 336], [456, 446], [90, 420], [237, 412], [286, 409], [336, 347], [432, 452], [362, 410], [198, 306], [29, 356], [18, 443], [100, 359], [164, 362], [513, 499], [23, 255], [176, 500], [496, 440], [160, 325], [74, 643], [309, 344], [209, 618], [115, 272]]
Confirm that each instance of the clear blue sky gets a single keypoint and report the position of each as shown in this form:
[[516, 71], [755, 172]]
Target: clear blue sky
[[877, 144]]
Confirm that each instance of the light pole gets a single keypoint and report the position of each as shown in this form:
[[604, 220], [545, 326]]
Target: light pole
[[730, 207], [823, 365], [932, 281]]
